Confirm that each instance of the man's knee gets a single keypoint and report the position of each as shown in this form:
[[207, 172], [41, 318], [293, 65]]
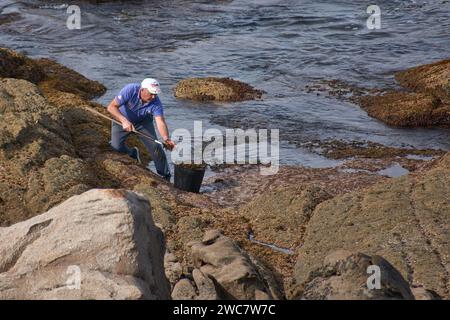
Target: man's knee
[[118, 147]]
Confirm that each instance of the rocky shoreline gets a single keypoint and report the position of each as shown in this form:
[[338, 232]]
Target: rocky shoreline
[[423, 100], [67, 199]]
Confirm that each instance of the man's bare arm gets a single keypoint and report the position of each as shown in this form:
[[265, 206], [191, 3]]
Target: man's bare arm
[[162, 127], [164, 131], [113, 108]]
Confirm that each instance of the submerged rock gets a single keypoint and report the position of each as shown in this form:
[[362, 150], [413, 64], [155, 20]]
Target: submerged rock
[[6, 18], [102, 244], [407, 109], [217, 89], [428, 105]]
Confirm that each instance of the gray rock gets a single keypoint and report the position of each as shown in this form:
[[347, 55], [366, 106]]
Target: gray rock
[[173, 268], [220, 258], [352, 276], [106, 239], [205, 286], [184, 290], [420, 293]]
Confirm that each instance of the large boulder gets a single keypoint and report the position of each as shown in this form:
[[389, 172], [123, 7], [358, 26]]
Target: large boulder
[[405, 220], [355, 276], [106, 239], [218, 89]]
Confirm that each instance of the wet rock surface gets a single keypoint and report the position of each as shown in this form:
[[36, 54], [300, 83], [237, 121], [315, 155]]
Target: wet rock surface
[[16, 65], [369, 154], [34, 133], [280, 216], [367, 150], [407, 109], [6, 18]]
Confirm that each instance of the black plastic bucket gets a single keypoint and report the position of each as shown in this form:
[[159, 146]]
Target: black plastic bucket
[[188, 179]]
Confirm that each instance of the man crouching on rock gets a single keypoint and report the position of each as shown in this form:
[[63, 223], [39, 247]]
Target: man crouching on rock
[[135, 106]]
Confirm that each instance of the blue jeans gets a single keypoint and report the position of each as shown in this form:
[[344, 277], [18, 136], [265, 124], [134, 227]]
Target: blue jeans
[[118, 137]]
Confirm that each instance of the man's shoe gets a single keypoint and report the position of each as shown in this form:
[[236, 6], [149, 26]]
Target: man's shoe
[[137, 155]]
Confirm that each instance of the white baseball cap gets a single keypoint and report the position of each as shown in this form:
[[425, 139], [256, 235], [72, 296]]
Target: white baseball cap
[[152, 85]]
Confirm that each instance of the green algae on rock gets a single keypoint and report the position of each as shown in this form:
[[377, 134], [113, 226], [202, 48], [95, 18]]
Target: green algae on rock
[[48, 74], [405, 109], [216, 89], [428, 105], [424, 101], [433, 79]]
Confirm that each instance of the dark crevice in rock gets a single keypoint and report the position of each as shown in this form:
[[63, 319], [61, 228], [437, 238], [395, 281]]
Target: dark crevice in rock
[[34, 232], [406, 259], [428, 237]]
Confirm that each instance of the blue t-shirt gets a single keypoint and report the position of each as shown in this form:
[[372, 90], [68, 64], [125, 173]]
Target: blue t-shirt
[[131, 106]]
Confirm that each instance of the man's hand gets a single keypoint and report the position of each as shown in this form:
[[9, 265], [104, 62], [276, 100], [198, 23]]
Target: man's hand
[[169, 144], [127, 125], [113, 108]]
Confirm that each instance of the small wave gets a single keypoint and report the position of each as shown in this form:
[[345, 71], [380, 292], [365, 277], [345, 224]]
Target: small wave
[[54, 6]]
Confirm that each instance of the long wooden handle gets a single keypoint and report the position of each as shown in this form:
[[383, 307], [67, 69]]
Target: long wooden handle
[[115, 121]]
